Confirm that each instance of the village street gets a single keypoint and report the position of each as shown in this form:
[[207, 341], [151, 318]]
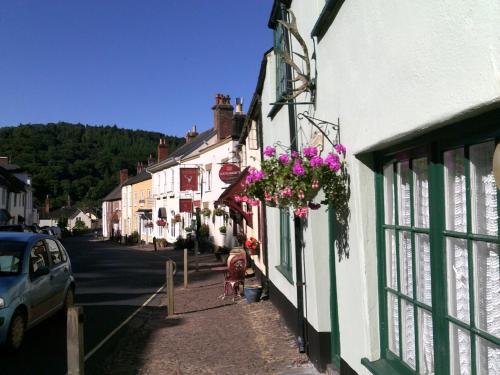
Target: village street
[[111, 283]]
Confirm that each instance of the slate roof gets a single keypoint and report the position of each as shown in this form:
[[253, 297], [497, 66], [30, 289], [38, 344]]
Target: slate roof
[[185, 149], [143, 176], [10, 181], [68, 212]]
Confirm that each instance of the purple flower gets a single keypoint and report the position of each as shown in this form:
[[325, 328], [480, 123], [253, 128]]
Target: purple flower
[[284, 159], [332, 158], [316, 161], [258, 175], [249, 179], [310, 152], [295, 154], [298, 169], [269, 151], [340, 148], [335, 166]]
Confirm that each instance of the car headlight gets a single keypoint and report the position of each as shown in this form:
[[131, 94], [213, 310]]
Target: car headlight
[[2, 303]]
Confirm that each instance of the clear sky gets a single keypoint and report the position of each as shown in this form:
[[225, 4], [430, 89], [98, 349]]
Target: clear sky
[[140, 64]]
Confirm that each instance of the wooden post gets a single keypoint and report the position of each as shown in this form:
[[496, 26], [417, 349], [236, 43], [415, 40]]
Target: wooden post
[[170, 287], [185, 268], [196, 254], [75, 340]]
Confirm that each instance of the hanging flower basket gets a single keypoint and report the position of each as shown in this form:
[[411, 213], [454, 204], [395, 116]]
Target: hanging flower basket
[[252, 245], [294, 180], [177, 218], [223, 229], [148, 224], [161, 222], [206, 212], [219, 212]]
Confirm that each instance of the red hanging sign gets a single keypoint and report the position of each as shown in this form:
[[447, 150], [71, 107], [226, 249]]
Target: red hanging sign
[[229, 173], [189, 179], [185, 205]]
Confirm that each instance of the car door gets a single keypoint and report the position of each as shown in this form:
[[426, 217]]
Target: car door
[[40, 293], [59, 272]]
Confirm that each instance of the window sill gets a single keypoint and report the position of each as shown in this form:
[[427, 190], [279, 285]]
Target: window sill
[[383, 367], [287, 273]]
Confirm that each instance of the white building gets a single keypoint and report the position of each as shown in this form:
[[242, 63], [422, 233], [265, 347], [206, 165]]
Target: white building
[[415, 90], [189, 179], [16, 194]]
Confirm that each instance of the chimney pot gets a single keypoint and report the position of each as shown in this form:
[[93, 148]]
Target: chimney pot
[[123, 175]]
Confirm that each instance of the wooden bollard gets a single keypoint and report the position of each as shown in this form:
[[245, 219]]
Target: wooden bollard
[[75, 341], [185, 268], [170, 287]]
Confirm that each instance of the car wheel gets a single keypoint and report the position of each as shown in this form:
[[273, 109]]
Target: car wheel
[[17, 329]]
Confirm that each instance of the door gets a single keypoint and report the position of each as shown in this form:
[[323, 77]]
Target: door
[[40, 285], [59, 273]]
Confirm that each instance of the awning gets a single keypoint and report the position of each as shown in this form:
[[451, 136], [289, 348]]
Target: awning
[[4, 216], [236, 188]]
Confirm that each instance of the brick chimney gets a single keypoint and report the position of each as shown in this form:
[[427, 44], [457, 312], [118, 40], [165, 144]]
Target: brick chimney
[[151, 160], [223, 116], [123, 175], [139, 167], [192, 134], [46, 209], [162, 149]]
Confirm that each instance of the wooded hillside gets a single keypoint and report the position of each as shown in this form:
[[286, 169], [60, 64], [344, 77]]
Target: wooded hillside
[[80, 160]]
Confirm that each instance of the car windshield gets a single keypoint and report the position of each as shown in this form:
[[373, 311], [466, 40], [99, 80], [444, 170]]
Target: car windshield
[[11, 256]]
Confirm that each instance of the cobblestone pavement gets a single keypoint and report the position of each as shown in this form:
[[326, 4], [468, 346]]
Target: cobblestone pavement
[[206, 336]]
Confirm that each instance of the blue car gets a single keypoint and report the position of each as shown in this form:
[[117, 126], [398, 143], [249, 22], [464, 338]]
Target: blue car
[[35, 282]]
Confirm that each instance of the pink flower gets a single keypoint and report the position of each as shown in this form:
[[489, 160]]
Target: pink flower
[[298, 169], [301, 212], [237, 198], [258, 175], [253, 202], [340, 148], [316, 161], [284, 159], [244, 198], [315, 184], [310, 152], [269, 151], [295, 154], [286, 193], [301, 195], [335, 166], [249, 179], [267, 196]]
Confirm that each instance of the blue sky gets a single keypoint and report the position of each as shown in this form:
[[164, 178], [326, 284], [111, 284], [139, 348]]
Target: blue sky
[[148, 64]]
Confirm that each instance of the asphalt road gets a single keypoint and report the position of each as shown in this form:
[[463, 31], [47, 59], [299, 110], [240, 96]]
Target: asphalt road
[[111, 283]]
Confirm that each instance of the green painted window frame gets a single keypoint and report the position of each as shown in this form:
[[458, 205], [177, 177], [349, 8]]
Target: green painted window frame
[[433, 148], [282, 44], [285, 266]]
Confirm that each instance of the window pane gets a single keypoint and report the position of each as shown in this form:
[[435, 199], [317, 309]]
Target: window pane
[[460, 351], [458, 278], [403, 193], [483, 189], [423, 264], [425, 342], [393, 322], [421, 193], [456, 209], [405, 263], [389, 193], [487, 357], [390, 256], [55, 253], [487, 287], [408, 333]]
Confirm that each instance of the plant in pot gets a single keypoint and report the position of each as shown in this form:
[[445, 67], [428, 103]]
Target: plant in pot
[[206, 212], [252, 245], [161, 222], [178, 218], [253, 292], [219, 211], [223, 230]]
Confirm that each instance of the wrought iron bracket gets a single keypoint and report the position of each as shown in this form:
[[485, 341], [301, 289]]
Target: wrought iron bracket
[[322, 126]]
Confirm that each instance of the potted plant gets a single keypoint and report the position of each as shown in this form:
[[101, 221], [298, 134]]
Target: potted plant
[[148, 224], [161, 222], [253, 292], [206, 212], [223, 230], [219, 211], [252, 246], [177, 218]]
